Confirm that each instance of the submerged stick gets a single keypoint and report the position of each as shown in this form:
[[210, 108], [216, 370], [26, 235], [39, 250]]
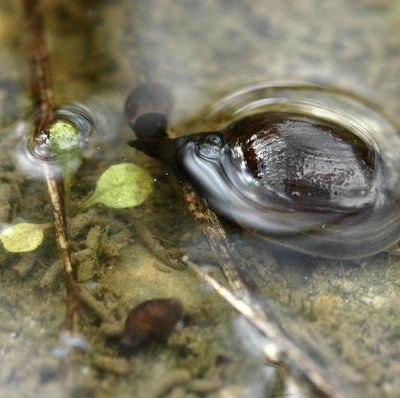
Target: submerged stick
[[267, 324], [154, 246], [146, 110], [208, 223], [40, 73], [242, 300], [42, 95]]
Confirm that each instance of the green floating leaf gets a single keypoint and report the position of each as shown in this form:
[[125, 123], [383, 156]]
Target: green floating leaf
[[122, 185], [22, 237]]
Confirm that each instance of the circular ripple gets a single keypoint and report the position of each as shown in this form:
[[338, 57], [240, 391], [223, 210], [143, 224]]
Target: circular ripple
[[336, 105], [74, 115], [31, 152]]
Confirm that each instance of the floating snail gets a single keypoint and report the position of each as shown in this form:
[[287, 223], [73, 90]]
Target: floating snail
[[301, 180]]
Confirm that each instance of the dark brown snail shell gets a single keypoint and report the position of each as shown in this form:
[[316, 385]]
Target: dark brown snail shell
[[298, 180], [149, 321]]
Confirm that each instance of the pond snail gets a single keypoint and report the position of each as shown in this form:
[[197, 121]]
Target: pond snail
[[151, 320], [298, 180]]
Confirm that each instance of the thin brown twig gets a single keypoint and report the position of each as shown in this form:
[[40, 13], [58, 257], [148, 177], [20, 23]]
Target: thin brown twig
[[261, 316], [42, 95], [40, 71], [270, 328], [154, 246], [209, 224], [143, 108]]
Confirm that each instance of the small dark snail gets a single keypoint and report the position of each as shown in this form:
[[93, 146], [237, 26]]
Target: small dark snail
[[149, 321], [298, 180]]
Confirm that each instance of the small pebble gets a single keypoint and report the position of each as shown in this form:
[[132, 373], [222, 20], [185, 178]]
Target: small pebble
[[78, 223], [85, 270], [119, 366], [25, 264], [96, 306], [52, 275], [233, 391], [111, 329], [94, 238], [5, 211], [204, 386], [169, 381]]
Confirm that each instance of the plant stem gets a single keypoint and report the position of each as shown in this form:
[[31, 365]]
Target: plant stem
[[270, 327], [42, 96], [260, 315], [154, 246], [40, 72]]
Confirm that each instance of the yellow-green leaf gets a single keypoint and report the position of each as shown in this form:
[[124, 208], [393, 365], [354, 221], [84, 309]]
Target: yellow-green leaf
[[22, 237], [122, 185]]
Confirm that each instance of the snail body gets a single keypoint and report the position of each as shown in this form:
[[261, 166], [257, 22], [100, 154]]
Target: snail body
[[299, 180], [151, 320]]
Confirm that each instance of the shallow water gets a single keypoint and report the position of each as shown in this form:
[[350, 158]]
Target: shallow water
[[343, 314]]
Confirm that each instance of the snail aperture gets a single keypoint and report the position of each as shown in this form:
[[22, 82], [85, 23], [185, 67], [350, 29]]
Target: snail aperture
[[299, 180]]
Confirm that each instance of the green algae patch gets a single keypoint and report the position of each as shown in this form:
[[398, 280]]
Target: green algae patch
[[121, 186]]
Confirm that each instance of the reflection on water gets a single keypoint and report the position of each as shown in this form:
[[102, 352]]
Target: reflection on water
[[345, 314]]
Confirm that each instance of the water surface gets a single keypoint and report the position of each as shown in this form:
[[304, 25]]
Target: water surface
[[345, 314]]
